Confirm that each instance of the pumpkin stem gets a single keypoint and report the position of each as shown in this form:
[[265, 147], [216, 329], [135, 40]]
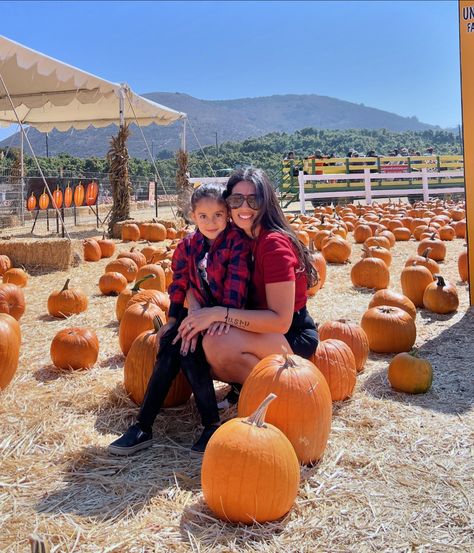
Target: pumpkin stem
[[440, 281], [157, 323], [258, 418], [136, 286], [66, 285], [288, 360], [426, 253]]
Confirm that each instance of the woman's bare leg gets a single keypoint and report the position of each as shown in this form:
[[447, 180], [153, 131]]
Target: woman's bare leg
[[232, 356]]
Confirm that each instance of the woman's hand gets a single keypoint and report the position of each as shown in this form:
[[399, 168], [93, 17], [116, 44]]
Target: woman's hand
[[199, 320], [218, 328]]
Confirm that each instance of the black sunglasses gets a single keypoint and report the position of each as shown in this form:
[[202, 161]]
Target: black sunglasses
[[236, 200]]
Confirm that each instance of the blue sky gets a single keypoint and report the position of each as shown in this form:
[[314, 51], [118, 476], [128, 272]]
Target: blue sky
[[399, 56]]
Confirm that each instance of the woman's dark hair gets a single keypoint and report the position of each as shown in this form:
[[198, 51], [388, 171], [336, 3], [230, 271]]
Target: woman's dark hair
[[270, 215], [209, 190]]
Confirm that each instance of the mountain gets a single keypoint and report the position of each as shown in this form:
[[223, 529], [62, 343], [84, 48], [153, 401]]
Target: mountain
[[232, 120]]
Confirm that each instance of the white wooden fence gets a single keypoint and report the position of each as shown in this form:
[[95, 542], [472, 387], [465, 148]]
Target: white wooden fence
[[368, 193]]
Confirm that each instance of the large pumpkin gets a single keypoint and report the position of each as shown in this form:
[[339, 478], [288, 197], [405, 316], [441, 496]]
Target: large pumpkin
[[160, 299], [250, 472], [463, 268], [336, 250], [158, 279], [12, 300], [303, 410], [75, 348], [67, 301], [410, 374], [139, 368], [351, 334], [441, 296], [389, 329], [130, 232], [336, 361], [10, 339]]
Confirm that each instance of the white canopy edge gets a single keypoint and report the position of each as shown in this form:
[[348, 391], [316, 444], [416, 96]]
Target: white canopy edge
[[48, 94]]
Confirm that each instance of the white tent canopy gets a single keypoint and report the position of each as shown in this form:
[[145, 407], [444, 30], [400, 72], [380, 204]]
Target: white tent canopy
[[49, 94]]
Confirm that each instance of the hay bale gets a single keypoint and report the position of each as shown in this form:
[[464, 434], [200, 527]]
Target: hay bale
[[56, 253]]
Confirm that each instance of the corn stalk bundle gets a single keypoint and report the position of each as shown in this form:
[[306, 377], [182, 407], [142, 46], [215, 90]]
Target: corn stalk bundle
[[15, 170], [117, 158], [183, 186]]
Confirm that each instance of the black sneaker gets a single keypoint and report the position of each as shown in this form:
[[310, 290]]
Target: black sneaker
[[232, 398], [133, 440], [199, 447]]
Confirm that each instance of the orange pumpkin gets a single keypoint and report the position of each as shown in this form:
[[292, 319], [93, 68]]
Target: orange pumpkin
[[389, 297], [57, 198], [136, 319], [92, 191], [441, 296], [66, 302], [107, 247], [124, 265], [92, 251], [12, 300], [463, 267], [389, 329], [250, 455], [5, 263], [303, 411], [139, 368], [79, 195], [410, 374], [68, 196], [370, 272], [44, 200], [351, 334], [31, 202], [414, 280], [130, 232], [74, 348], [336, 361], [16, 276], [112, 283], [10, 341]]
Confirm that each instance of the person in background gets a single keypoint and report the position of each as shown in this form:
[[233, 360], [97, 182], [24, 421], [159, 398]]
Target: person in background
[[276, 318], [210, 267]]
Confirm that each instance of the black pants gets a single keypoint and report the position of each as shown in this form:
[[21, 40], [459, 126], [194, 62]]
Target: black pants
[[302, 335], [197, 371]]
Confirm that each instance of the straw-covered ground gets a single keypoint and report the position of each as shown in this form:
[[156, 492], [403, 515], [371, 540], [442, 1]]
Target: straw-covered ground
[[397, 474]]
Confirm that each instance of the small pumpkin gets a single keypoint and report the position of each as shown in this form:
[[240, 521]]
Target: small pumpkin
[[16, 276], [441, 296], [92, 251], [463, 267], [130, 232], [410, 374], [242, 463], [5, 264], [112, 283], [67, 301], [107, 247], [124, 265], [12, 300], [126, 295], [74, 348]]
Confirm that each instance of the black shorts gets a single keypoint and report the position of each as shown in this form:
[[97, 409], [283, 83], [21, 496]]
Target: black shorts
[[303, 336]]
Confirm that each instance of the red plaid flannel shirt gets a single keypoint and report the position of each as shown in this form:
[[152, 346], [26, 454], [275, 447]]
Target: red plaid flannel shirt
[[228, 270]]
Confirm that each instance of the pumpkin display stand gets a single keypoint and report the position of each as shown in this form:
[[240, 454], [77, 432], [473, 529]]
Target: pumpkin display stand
[[53, 253]]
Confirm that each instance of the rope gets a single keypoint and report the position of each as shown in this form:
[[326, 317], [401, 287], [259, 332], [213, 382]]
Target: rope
[[201, 148], [151, 157], [34, 157]]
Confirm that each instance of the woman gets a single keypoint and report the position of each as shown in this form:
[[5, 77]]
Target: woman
[[276, 318]]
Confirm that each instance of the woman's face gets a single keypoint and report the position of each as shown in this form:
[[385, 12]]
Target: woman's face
[[244, 216]]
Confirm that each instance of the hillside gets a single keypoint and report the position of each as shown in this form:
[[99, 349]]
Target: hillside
[[232, 120]]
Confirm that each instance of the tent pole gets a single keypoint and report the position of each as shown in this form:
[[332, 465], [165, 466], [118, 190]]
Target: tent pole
[[122, 107], [22, 187], [183, 136]]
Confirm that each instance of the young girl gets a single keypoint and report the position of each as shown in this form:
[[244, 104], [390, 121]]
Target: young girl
[[212, 265]]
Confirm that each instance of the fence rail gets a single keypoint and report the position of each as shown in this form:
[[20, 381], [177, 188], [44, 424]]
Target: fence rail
[[403, 186]]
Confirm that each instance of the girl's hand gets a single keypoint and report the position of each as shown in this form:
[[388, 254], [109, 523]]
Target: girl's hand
[[188, 346], [198, 321]]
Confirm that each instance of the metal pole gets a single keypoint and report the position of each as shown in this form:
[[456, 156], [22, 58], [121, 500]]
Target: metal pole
[[22, 187], [47, 146]]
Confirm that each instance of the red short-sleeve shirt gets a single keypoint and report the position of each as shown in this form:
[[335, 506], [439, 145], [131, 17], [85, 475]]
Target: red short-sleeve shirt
[[275, 260]]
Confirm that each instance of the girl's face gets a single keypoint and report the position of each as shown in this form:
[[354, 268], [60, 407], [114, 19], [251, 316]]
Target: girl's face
[[244, 216], [210, 216]]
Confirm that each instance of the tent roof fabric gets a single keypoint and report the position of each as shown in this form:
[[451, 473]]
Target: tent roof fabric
[[49, 94]]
